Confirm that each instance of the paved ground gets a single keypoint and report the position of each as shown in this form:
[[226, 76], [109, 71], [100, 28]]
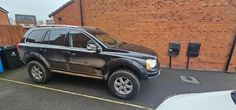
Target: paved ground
[[73, 93]]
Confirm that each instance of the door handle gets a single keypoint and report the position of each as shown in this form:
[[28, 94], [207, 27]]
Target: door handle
[[73, 54], [66, 52], [42, 50]]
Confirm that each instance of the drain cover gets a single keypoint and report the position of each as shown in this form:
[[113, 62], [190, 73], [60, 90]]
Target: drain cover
[[189, 79]]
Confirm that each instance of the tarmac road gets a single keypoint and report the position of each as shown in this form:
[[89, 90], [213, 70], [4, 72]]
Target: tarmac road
[[64, 92]]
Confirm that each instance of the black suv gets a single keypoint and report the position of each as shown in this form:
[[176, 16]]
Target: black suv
[[87, 52]]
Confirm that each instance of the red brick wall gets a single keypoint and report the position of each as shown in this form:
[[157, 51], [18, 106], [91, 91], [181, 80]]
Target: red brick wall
[[3, 18], [155, 23], [69, 15]]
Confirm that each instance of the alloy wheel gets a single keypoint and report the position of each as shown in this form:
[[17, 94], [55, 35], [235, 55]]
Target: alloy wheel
[[123, 85], [37, 72]]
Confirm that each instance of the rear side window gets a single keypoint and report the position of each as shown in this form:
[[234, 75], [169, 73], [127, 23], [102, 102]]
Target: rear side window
[[36, 36], [57, 37]]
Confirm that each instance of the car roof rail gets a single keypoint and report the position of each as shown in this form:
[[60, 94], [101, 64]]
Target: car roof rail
[[57, 26]]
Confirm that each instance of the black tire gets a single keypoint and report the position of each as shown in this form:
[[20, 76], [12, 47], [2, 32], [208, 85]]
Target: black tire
[[123, 73], [45, 74]]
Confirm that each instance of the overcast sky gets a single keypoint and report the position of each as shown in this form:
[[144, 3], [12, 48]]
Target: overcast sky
[[39, 8]]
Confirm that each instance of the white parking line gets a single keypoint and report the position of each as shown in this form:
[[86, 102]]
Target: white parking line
[[78, 94]]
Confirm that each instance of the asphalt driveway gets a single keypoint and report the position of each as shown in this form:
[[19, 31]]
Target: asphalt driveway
[[64, 92]]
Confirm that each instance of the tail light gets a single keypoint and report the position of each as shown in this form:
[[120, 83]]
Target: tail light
[[17, 46]]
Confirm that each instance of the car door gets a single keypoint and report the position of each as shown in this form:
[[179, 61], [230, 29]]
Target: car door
[[54, 49], [82, 60]]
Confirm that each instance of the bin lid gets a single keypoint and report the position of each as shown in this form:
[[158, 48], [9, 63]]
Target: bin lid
[[9, 47], [1, 48]]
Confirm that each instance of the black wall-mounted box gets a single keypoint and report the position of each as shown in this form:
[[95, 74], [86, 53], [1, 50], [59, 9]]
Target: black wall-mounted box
[[174, 49], [193, 49]]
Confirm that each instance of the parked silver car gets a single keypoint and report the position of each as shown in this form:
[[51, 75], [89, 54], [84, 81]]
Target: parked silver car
[[223, 100]]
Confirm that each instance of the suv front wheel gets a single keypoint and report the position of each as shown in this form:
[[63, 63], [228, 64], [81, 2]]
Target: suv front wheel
[[124, 84], [37, 72]]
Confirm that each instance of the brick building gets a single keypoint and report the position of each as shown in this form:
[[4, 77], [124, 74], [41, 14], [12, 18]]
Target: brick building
[[4, 17], [69, 10], [156, 23]]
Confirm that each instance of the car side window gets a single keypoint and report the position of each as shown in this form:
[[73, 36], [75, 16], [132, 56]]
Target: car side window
[[36, 36], [57, 37], [79, 39]]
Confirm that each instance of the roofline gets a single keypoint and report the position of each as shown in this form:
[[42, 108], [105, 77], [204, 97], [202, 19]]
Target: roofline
[[25, 15], [60, 8], [3, 10]]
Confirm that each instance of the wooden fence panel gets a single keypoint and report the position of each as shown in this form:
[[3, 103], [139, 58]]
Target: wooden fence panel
[[11, 35]]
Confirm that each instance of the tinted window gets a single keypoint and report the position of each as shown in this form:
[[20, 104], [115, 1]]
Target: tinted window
[[57, 37], [79, 40], [36, 36]]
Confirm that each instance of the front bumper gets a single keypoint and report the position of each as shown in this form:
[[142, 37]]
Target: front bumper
[[153, 73]]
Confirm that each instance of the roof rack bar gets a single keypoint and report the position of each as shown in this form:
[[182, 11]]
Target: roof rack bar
[[57, 26]]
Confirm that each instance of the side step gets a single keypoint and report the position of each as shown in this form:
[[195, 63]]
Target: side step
[[77, 74]]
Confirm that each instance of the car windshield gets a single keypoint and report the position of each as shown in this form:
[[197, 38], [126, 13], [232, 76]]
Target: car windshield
[[105, 38]]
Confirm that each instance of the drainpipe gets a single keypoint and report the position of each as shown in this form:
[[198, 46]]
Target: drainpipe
[[81, 13], [230, 55]]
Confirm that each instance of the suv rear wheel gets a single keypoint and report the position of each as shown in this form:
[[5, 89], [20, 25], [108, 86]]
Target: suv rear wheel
[[37, 72], [124, 84]]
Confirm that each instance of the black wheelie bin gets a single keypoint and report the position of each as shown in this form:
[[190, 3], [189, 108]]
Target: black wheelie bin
[[11, 59]]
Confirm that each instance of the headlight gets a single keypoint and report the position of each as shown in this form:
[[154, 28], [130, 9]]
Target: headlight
[[150, 63]]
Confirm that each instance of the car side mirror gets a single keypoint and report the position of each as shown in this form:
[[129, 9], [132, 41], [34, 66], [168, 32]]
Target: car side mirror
[[92, 47]]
